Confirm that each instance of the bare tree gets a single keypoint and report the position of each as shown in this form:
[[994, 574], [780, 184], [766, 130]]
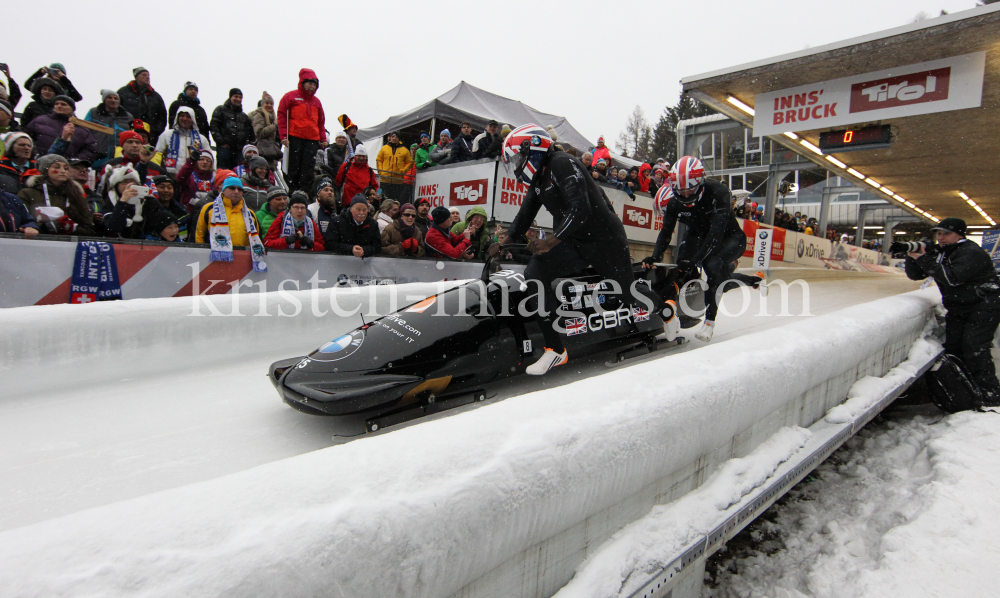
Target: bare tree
[[635, 140]]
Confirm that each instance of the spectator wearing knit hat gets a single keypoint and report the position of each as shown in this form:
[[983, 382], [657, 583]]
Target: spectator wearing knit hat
[[53, 133], [352, 132], [7, 122], [302, 129], [140, 99], [130, 213], [110, 114], [133, 153], [164, 226], [441, 242], [57, 72], [354, 232], [43, 92], [232, 209], [256, 183], [277, 201], [195, 179], [167, 193], [294, 228], [189, 98], [441, 153], [601, 152], [53, 188], [354, 175], [324, 209], [16, 163], [265, 127], [423, 153], [329, 160], [231, 129]]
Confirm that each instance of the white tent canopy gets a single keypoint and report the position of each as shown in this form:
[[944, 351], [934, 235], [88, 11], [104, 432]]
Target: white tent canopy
[[466, 102]]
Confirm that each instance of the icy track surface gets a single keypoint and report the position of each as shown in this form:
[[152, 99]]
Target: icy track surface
[[908, 507], [184, 406]]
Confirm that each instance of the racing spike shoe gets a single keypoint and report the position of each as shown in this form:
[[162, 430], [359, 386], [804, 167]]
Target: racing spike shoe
[[706, 332], [671, 323], [549, 360], [762, 285]]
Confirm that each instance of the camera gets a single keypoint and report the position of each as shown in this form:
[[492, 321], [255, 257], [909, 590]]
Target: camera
[[901, 248]]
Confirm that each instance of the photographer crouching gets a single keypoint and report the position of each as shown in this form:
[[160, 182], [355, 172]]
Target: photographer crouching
[[970, 291]]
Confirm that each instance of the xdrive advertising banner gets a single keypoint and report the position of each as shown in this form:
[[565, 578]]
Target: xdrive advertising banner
[[937, 86]]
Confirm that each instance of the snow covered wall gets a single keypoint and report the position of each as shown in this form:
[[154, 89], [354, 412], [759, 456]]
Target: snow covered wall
[[504, 500]]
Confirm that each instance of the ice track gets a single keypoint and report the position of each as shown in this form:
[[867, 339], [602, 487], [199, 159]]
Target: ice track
[[86, 420]]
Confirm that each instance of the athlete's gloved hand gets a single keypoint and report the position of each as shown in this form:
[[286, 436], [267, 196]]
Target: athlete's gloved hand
[[685, 265], [648, 263]]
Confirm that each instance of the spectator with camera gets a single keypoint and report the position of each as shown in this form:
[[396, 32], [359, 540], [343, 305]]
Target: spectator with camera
[[132, 203], [479, 237], [43, 94], [970, 291], [294, 229], [442, 242]]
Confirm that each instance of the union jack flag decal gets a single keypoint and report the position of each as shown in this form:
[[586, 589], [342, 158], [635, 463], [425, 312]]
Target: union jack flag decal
[[576, 326], [640, 314]]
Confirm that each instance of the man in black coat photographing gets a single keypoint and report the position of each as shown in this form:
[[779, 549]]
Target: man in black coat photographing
[[970, 291]]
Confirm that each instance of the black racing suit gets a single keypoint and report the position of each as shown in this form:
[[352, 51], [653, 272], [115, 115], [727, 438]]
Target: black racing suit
[[714, 240], [970, 292], [589, 232]]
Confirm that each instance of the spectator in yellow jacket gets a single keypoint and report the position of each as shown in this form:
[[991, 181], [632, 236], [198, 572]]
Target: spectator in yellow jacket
[[394, 161]]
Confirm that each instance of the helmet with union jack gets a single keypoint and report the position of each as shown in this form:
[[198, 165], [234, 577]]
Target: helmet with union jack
[[663, 196], [524, 151], [687, 174]]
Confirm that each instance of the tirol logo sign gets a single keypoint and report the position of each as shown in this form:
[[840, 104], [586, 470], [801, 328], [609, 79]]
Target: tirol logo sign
[[638, 217], [468, 193], [953, 83], [926, 86]]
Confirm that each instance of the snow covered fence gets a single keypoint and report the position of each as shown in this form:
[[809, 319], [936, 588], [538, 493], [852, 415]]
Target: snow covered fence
[[504, 500], [144, 337]]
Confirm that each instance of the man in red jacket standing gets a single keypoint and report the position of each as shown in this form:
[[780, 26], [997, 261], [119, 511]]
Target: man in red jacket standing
[[301, 127], [355, 174]]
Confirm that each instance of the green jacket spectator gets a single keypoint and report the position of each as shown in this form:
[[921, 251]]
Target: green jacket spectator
[[424, 152], [481, 239], [277, 202]]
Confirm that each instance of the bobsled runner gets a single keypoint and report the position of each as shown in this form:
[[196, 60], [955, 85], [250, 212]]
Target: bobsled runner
[[451, 348]]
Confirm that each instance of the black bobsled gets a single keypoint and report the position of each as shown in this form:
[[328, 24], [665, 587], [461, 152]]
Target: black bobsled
[[449, 349]]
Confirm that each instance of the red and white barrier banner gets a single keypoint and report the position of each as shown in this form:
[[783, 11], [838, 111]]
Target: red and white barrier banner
[[460, 187], [38, 272], [953, 83], [778, 236]]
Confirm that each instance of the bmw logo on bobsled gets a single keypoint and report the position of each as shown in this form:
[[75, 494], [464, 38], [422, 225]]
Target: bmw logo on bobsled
[[449, 349]]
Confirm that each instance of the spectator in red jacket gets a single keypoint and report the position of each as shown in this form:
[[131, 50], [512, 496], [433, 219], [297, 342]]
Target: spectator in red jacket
[[355, 175], [601, 152], [301, 128], [441, 242], [294, 229]]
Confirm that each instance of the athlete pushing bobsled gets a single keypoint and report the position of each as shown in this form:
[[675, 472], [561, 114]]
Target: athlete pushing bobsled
[[586, 231], [714, 239]]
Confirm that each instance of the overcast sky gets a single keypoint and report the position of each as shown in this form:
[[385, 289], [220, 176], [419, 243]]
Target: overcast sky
[[590, 61]]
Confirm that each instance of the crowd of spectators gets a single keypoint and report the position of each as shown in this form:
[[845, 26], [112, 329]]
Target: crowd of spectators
[[132, 168], [795, 222]]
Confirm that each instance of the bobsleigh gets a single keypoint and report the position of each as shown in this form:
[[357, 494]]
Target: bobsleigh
[[449, 349]]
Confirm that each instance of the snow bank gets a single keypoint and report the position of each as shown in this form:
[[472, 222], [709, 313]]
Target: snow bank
[[425, 510], [623, 564], [907, 508], [140, 335]]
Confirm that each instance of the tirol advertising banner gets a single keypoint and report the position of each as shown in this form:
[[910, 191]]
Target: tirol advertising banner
[[462, 188], [937, 86], [638, 215]]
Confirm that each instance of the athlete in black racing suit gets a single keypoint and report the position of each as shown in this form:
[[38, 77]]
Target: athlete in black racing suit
[[586, 233], [714, 240]]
